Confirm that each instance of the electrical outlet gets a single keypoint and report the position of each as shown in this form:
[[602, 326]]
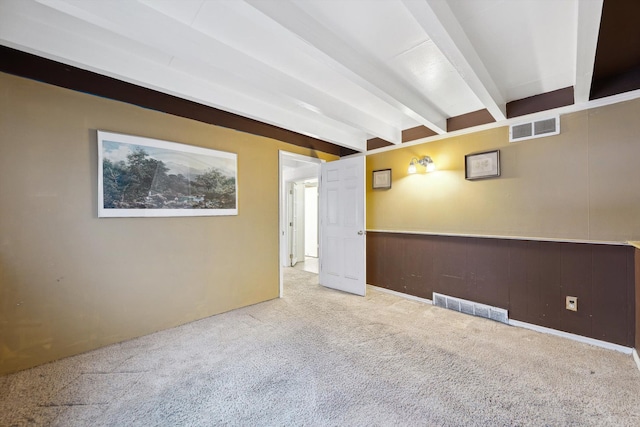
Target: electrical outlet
[[572, 303]]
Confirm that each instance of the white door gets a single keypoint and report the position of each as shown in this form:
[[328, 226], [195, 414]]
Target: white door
[[342, 225]]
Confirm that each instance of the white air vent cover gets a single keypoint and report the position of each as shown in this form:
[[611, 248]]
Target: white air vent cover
[[470, 307], [535, 129]]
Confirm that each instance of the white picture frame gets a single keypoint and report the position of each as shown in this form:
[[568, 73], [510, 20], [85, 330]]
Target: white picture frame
[[381, 179]]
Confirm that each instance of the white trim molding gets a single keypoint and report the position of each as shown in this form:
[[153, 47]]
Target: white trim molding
[[401, 295], [574, 337], [636, 358], [504, 237]]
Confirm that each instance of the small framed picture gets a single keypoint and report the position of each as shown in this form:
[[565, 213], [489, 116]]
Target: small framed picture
[[381, 179], [482, 165]]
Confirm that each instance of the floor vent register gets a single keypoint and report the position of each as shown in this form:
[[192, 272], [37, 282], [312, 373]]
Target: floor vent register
[[470, 307]]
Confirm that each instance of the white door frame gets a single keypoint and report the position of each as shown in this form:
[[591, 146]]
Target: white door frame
[[282, 212]]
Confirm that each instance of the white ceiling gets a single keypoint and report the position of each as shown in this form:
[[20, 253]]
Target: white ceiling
[[343, 71]]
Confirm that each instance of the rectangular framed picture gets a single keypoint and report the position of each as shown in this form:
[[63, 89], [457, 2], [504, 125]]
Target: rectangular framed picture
[[482, 165], [144, 177], [381, 179]]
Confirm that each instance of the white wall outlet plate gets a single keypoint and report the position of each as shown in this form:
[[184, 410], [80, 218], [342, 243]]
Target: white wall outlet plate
[[572, 303]]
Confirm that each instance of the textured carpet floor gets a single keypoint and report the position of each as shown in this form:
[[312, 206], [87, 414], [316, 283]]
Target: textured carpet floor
[[321, 357]]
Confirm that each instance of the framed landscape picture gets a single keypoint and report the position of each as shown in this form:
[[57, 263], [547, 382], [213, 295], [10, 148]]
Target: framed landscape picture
[[144, 177]]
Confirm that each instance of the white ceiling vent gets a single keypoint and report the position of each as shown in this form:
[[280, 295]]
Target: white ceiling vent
[[535, 129]]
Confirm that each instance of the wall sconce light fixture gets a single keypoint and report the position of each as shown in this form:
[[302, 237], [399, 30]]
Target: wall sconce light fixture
[[426, 161]]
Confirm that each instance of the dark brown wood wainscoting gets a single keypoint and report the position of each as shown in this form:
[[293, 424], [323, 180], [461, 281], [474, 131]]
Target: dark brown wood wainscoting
[[529, 278], [637, 268]]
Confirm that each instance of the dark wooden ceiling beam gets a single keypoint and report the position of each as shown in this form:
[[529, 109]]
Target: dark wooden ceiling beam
[[408, 135], [541, 102], [617, 62], [619, 83], [417, 132], [375, 143], [475, 118]]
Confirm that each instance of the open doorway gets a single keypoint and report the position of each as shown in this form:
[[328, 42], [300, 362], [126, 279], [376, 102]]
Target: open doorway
[[302, 225], [299, 236], [311, 228]]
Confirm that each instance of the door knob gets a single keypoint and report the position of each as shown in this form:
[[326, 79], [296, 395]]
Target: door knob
[[360, 233]]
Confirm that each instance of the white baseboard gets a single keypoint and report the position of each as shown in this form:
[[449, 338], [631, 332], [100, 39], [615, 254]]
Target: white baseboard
[[537, 328], [574, 337], [400, 294]]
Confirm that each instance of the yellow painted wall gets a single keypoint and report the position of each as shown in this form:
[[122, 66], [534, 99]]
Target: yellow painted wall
[[70, 282], [582, 184]]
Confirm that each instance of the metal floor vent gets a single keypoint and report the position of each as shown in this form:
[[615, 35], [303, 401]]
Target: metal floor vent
[[470, 307]]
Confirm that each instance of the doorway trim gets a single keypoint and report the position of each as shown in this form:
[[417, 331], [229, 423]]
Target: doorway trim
[[282, 212]]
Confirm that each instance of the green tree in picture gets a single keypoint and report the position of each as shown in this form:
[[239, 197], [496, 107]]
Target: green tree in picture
[[146, 175], [178, 185], [115, 183], [218, 190], [142, 182]]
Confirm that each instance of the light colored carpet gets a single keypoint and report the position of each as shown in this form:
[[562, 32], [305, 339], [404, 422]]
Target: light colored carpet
[[310, 264], [321, 357]]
